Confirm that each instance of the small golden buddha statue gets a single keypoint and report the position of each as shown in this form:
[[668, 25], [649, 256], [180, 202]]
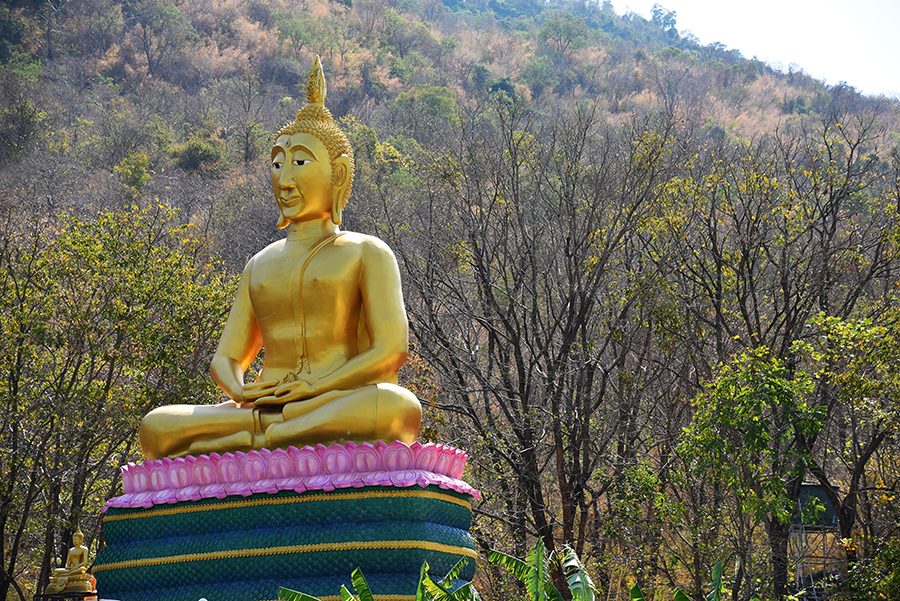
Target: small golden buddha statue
[[327, 307], [74, 577]]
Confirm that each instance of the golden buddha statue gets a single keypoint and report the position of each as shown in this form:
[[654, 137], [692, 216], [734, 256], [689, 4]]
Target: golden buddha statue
[[74, 577], [327, 307]]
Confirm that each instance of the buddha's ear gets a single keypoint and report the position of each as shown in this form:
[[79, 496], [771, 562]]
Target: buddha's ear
[[282, 222], [341, 179]]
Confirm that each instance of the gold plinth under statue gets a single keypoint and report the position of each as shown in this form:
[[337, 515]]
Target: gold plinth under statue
[[327, 307], [74, 577]]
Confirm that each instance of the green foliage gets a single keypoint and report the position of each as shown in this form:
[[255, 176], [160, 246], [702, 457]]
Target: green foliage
[[286, 594], [663, 18], [412, 67], [198, 154], [481, 77], [400, 35], [875, 577], [437, 102], [579, 582], [535, 573], [715, 587], [563, 33], [505, 87], [103, 318], [11, 29], [296, 28], [636, 594], [135, 273], [432, 590], [426, 111], [20, 119], [540, 73], [862, 360], [361, 586], [744, 429], [134, 171], [24, 66], [636, 489], [427, 590], [363, 139]]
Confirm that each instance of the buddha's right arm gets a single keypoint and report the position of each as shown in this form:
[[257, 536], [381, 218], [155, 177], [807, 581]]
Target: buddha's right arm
[[240, 343], [229, 375]]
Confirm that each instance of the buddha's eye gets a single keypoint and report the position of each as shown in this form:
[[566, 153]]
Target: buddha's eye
[[301, 162], [276, 165]]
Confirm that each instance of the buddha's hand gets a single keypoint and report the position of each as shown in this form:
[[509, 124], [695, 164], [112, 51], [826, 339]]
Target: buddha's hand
[[287, 393], [250, 393]]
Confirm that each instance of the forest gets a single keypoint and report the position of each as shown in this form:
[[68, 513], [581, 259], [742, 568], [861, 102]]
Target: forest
[[652, 284]]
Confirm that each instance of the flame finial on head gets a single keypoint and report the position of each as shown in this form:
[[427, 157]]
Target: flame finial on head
[[315, 84]]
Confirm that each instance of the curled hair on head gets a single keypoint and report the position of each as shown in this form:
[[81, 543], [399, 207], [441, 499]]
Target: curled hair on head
[[316, 120]]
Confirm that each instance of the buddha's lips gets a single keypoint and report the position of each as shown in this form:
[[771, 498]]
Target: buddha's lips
[[291, 200]]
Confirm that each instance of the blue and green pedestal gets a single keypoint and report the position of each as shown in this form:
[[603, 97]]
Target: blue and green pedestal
[[244, 546]]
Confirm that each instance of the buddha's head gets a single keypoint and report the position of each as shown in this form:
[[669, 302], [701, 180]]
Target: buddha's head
[[78, 537], [312, 161]]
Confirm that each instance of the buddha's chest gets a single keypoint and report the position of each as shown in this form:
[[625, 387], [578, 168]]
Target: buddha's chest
[[326, 286]]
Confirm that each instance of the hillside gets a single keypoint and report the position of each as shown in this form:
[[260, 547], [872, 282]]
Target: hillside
[[651, 283], [218, 77]]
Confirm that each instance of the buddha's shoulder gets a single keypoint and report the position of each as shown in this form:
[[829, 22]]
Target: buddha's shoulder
[[367, 245], [272, 250]]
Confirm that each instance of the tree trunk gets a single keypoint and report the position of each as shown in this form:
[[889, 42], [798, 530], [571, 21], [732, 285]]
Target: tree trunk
[[779, 534], [49, 557]]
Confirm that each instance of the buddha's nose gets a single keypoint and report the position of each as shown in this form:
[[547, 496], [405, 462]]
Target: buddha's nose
[[286, 180]]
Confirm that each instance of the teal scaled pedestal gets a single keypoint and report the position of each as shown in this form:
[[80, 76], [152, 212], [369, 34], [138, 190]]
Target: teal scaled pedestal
[[245, 548]]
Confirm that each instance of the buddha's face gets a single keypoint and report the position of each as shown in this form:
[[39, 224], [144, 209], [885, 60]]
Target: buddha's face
[[77, 539], [301, 178]]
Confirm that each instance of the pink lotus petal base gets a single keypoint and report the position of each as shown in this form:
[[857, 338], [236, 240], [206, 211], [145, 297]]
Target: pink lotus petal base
[[347, 465]]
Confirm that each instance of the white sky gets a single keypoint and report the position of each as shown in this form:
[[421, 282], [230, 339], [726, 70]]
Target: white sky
[[856, 41]]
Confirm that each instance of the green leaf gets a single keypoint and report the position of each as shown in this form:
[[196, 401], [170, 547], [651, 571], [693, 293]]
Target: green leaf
[[421, 593], [453, 575], [431, 590], [537, 572], [551, 593], [637, 594], [286, 594], [716, 593], [435, 591], [361, 586], [680, 596], [513, 565], [467, 592], [577, 578]]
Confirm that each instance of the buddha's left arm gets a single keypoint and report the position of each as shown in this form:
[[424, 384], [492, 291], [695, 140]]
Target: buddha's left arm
[[382, 298]]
